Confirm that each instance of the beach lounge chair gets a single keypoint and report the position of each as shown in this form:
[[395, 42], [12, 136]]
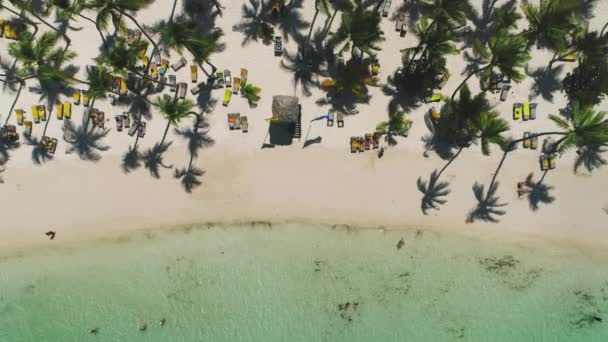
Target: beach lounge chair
[[9, 132], [526, 111], [76, 96], [227, 78], [197, 88], [28, 128], [386, 8], [116, 85], [119, 125], [544, 162], [193, 74], [1, 27], [233, 120], [67, 110], [145, 62], [569, 58], [278, 46], [504, 92], [160, 86], [219, 77], [123, 87], [376, 140], [154, 72], [164, 66], [361, 144], [517, 110], [85, 99], [340, 119], [244, 124], [156, 57], [534, 142], [274, 8], [244, 74], [330, 119], [41, 112], [368, 141], [353, 145], [126, 119], [552, 160], [533, 110], [399, 22], [179, 64], [227, 96], [141, 130], [9, 31], [49, 144], [182, 89], [35, 114], [375, 68], [20, 114], [236, 86], [59, 111], [527, 140], [433, 98], [172, 82], [133, 128]]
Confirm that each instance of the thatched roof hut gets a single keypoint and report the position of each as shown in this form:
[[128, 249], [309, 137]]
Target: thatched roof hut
[[285, 108]]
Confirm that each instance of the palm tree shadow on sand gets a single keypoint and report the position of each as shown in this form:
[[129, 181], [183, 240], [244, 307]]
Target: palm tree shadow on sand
[[546, 82], [538, 192], [488, 206], [198, 138], [153, 159], [85, 140], [305, 68], [131, 160], [39, 153], [590, 157], [434, 192]]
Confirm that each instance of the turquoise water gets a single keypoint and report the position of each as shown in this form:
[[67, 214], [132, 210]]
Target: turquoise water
[[303, 283]]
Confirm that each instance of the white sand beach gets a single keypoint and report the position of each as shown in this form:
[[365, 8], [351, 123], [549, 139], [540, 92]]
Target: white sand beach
[[321, 183]]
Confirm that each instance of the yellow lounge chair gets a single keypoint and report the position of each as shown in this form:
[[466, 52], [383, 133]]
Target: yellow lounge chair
[[517, 109], [9, 32], [28, 127], [375, 69], [193, 73], [59, 111], [244, 73], [144, 48], [433, 98], [236, 85], [145, 61], [1, 27], [154, 72], [85, 99], [19, 113], [544, 162], [526, 111], [227, 96], [123, 87], [35, 114], [569, 58], [76, 96], [42, 112], [328, 83], [67, 110], [552, 160], [354, 146], [164, 66]]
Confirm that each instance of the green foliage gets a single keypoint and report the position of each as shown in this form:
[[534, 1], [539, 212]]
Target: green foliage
[[509, 53], [360, 29], [119, 56], [100, 81], [587, 128], [251, 93], [173, 109]]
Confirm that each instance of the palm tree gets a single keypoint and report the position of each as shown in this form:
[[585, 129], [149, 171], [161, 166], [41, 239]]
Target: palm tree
[[552, 23], [100, 82], [360, 29], [114, 11], [254, 26], [251, 93], [119, 56], [506, 52], [30, 7], [338, 5], [446, 11], [587, 128], [174, 110], [320, 6], [397, 124], [182, 33]]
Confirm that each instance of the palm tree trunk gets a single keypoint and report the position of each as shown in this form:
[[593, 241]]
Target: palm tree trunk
[[603, 30], [162, 141], [22, 15], [67, 39], [103, 39], [312, 24], [378, 5], [502, 160], [172, 11], [328, 25], [10, 112], [449, 162], [467, 78]]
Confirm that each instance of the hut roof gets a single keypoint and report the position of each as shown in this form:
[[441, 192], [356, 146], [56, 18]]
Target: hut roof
[[285, 108]]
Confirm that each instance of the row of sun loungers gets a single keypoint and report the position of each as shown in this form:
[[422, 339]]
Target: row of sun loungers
[[530, 140], [236, 121], [400, 24], [369, 141], [525, 111], [339, 119], [548, 161], [49, 144]]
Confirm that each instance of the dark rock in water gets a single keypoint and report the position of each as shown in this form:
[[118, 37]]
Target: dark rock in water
[[94, 331], [143, 328], [50, 234], [340, 307], [346, 306], [163, 321], [588, 320], [355, 305], [400, 244], [317, 265], [499, 264]]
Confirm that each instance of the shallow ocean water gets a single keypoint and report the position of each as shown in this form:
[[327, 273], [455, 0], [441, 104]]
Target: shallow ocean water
[[303, 283]]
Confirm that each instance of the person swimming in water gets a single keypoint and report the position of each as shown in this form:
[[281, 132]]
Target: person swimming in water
[[143, 328], [94, 331], [163, 321]]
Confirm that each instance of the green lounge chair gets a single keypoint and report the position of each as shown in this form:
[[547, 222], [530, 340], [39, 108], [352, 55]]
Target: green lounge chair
[[433, 98], [227, 96], [526, 111]]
